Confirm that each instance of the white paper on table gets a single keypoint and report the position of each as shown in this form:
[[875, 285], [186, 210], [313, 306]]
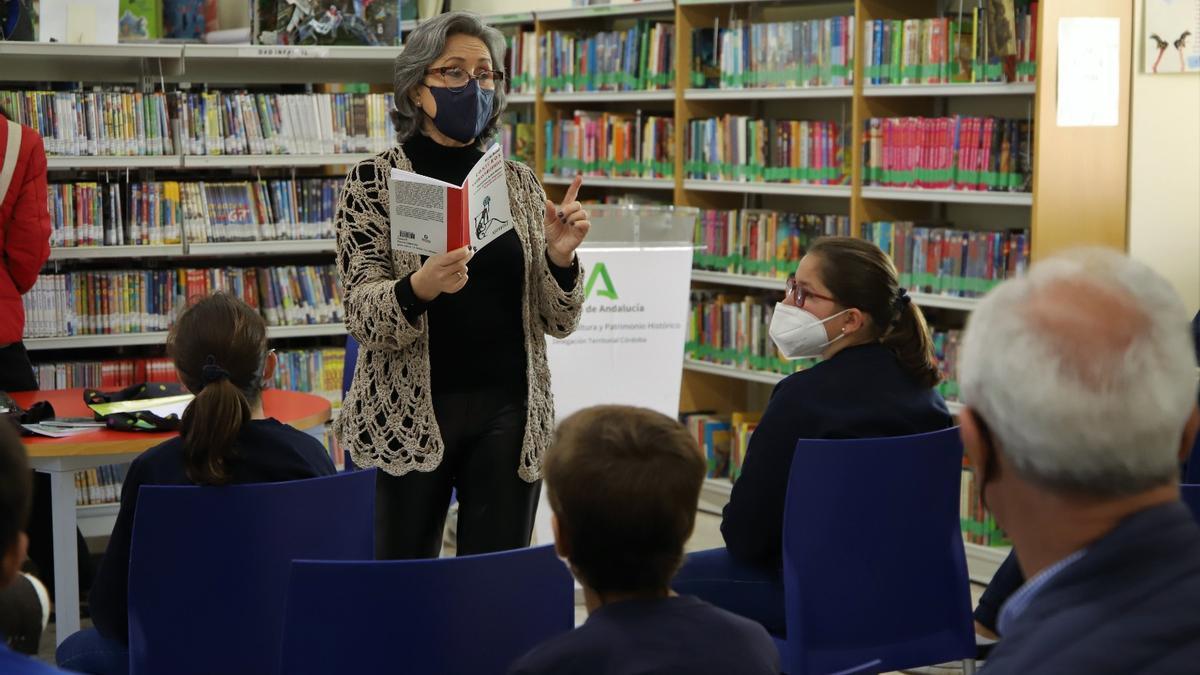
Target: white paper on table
[[1089, 71], [55, 432], [163, 407], [91, 21]]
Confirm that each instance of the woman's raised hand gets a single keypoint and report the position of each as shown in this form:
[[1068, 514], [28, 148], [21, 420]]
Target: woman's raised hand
[[566, 226], [441, 273]]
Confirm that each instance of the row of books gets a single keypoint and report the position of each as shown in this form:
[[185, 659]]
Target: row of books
[[749, 149], [521, 61], [978, 524], [759, 242], [106, 375], [114, 122], [119, 122], [945, 349], [518, 137], [971, 46], [611, 144], [958, 152], [137, 301], [638, 58], [316, 371], [723, 439], [241, 123], [155, 213], [732, 329], [99, 485], [816, 53], [950, 261]]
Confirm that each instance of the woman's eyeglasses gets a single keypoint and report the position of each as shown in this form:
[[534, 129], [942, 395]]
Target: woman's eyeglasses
[[456, 78], [799, 295]]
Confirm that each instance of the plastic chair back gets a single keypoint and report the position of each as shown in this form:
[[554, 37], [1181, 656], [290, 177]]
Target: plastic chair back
[[209, 567], [1191, 496], [1191, 474], [873, 559], [474, 614]]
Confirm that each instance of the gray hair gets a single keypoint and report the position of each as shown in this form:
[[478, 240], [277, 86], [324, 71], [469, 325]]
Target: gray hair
[[1084, 372], [422, 47]]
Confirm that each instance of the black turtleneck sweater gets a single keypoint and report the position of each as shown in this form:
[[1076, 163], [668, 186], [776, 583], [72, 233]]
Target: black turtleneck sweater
[[477, 335]]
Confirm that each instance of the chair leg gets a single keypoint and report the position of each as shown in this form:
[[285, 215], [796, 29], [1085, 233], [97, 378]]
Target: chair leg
[[968, 666]]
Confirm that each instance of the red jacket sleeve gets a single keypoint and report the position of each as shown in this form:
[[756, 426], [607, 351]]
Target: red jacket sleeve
[[27, 242]]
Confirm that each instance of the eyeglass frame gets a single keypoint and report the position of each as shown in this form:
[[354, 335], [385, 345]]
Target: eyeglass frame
[[497, 75], [793, 290]]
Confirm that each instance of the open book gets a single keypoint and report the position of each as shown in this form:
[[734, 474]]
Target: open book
[[430, 216]]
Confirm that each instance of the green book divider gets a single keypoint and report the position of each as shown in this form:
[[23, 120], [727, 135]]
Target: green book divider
[[1027, 68], [698, 79], [839, 70], [911, 71]]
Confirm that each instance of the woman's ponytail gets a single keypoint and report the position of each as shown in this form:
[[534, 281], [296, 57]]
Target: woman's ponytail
[[860, 275], [219, 346], [908, 338]]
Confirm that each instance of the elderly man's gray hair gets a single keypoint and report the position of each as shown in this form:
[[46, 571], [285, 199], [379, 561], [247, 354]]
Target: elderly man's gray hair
[[1084, 372], [422, 47]]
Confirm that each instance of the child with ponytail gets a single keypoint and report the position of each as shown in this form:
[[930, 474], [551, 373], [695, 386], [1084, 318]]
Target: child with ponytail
[[219, 347], [876, 378]]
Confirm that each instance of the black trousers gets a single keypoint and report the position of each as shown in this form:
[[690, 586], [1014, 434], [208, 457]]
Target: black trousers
[[16, 374], [483, 434], [16, 371]]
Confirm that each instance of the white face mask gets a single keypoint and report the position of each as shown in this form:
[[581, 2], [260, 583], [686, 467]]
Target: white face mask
[[798, 333]]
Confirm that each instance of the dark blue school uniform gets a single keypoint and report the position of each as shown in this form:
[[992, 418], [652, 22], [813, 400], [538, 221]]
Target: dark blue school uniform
[[861, 392], [680, 635], [268, 451]]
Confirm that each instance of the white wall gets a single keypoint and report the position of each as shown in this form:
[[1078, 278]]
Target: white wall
[[1164, 174]]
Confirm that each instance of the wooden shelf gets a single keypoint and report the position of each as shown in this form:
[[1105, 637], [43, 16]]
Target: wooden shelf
[[101, 252], [241, 161], [983, 561], [628, 183], [980, 89], [275, 247], [58, 62], [269, 64], [508, 19], [64, 163], [760, 188], [160, 337], [731, 371], [949, 196], [574, 97], [619, 10], [521, 99], [767, 93]]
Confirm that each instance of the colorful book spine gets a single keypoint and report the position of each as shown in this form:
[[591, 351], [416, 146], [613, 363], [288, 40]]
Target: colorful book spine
[[99, 485], [744, 55], [316, 371], [637, 59], [733, 330], [964, 46], [947, 261], [138, 301], [611, 144], [518, 136], [521, 62], [747, 149], [978, 524], [95, 123], [949, 153], [759, 242]]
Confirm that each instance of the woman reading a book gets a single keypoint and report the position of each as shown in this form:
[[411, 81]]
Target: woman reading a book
[[876, 378], [219, 348], [452, 389]]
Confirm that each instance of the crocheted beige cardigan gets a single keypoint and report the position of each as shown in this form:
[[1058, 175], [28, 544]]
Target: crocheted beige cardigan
[[387, 418]]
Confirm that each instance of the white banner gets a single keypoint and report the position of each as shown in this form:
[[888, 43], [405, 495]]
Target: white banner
[[628, 348]]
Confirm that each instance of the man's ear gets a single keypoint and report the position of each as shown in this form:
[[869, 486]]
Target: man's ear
[[561, 547], [14, 557], [1191, 431], [977, 446]]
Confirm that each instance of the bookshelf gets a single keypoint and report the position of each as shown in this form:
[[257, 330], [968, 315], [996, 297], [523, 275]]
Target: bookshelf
[[160, 337]]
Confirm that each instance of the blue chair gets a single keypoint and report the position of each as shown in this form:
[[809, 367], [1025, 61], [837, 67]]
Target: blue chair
[[210, 567], [474, 614], [868, 668], [1191, 497], [873, 559], [1191, 474]]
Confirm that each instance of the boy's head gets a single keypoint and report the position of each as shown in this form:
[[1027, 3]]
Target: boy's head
[[16, 494], [623, 483]]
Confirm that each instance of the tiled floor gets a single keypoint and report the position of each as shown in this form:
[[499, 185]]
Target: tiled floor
[[707, 535]]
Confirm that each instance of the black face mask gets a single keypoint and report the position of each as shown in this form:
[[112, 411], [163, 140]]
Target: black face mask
[[462, 114]]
